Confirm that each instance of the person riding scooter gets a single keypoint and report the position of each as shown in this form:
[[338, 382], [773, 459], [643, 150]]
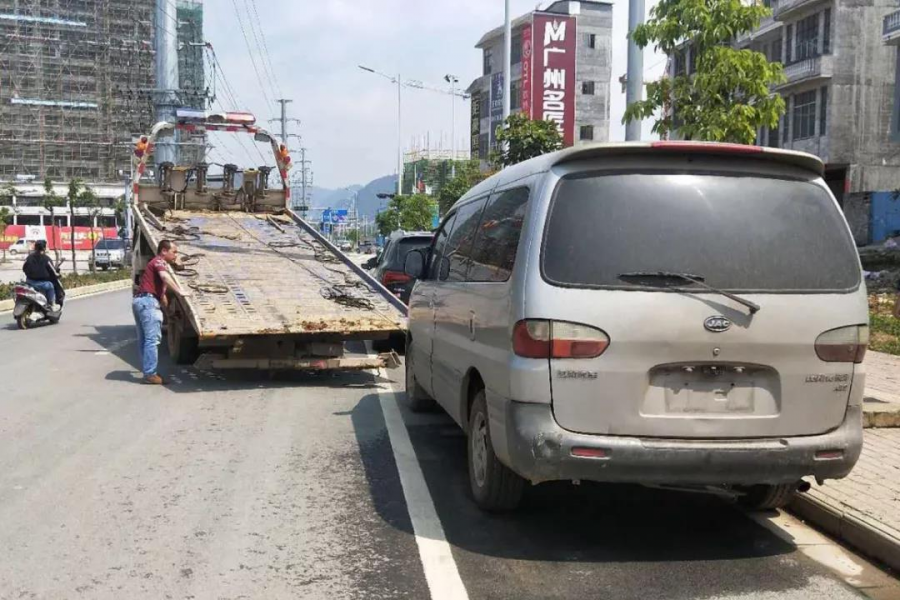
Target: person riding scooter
[[42, 276]]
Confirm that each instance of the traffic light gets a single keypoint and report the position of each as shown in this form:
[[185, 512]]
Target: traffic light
[[141, 147]]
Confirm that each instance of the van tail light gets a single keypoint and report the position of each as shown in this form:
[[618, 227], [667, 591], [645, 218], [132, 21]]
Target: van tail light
[[847, 344], [392, 277], [558, 339]]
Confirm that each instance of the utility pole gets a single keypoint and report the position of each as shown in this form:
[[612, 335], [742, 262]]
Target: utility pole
[[399, 135], [635, 77], [166, 76], [507, 59], [284, 119], [452, 80]]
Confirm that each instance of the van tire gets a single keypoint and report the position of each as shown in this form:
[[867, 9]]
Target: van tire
[[499, 488], [768, 497], [417, 398]]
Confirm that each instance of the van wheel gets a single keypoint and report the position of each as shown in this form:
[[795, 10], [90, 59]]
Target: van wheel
[[494, 486], [768, 497], [416, 396], [183, 343]]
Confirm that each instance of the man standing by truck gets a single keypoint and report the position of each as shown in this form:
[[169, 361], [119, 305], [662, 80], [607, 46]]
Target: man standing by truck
[[149, 300]]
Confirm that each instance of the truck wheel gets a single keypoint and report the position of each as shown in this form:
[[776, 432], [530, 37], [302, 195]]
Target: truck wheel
[[494, 486], [183, 344], [24, 320], [768, 497], [416, 396]]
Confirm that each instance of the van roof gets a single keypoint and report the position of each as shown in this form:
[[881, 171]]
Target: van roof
[[546, 162]]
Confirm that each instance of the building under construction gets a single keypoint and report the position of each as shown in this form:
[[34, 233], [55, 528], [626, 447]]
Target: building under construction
[[77, 85]]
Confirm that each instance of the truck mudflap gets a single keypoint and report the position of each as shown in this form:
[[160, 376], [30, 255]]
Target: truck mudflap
[[388, 360]]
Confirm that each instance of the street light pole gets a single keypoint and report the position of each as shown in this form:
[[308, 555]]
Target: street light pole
[[399, 81], [452, 80], [635, 77], [507, 67]]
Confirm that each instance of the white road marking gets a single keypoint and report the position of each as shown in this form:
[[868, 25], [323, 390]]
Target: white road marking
[[851, 568], [441, 572]]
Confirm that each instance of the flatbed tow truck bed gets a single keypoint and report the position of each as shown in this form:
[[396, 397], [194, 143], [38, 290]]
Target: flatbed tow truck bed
[[253, 274]]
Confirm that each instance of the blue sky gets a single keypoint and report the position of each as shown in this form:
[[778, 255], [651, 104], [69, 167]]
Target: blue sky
[[349, 121]]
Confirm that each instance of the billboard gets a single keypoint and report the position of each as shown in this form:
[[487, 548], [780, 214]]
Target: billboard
[[496, 105], [334, 217], [552, 72], [527, 68], [58, 238], [476, 124]]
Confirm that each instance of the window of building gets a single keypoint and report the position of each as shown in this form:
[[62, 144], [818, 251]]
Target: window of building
[[807, 37], [587, 88], [516, 48], [82, 221], [515, 95], [767, 3], [776, 51], [497, 239], [28, 219], [826, 31], [679, 63], [823, 111], [459, 245], [785, 129], [587, 133], [487, 62], [790, 44], [804, 115], [590, 40], [774, 134]]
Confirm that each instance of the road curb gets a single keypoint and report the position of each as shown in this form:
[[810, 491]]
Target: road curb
[[88, 290], [869, 537]]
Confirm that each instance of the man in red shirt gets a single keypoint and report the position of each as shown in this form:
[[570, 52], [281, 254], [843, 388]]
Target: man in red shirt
[[147, 305]]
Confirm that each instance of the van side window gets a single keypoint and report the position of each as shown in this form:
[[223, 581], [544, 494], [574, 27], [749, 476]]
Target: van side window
[[459, 246], [497, 240], [439, 250]]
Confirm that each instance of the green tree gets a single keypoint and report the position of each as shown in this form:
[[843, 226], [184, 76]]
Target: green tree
[[523, 138], [410, 213], [51, 202], [468, 175], [728, 98]]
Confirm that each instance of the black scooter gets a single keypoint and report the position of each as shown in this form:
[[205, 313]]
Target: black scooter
[[32, 307]]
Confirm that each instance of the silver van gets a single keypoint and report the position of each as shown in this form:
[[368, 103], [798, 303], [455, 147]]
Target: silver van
[[671, 313]]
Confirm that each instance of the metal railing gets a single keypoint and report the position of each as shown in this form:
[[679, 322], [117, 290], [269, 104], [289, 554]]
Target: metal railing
[[891, 24], [803, 69]]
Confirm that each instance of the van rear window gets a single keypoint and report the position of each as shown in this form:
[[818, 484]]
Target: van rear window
[[739, 233]]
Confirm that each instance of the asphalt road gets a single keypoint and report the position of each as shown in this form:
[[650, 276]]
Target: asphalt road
[[246, 486]]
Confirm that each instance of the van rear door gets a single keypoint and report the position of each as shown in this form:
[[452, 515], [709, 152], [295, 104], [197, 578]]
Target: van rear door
[[683, 361]]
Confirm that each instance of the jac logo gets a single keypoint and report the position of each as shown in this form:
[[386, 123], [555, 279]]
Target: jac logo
[[717, 324]]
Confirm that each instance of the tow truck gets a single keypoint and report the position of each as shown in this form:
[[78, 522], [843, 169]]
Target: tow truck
[[268, 291]]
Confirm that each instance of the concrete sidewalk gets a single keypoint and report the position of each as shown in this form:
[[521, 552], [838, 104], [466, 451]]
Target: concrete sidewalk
[[864, 509]]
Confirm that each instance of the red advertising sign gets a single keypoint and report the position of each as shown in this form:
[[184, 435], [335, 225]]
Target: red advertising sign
[[57, 237], [527, 66], [553, 76]]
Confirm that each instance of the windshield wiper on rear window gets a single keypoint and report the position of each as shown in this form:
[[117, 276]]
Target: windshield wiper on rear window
[[696, 280]]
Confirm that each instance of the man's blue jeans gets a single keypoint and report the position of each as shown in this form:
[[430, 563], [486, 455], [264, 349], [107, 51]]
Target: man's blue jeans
[[44, 287], [148, 318]]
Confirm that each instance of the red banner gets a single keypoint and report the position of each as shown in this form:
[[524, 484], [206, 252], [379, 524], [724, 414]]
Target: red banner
[[553, 77], [527, 67], [57, 237]]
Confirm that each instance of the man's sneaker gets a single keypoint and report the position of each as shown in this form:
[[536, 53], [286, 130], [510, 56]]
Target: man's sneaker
[[153, 380]]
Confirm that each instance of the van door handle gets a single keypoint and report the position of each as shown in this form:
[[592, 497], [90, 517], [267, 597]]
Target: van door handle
[[472, 326]]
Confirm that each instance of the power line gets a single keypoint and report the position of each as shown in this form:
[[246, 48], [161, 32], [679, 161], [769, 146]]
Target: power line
[[259, 78], [263, 48]]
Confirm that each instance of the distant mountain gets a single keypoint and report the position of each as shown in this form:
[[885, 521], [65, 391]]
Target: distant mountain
[[367, 204]]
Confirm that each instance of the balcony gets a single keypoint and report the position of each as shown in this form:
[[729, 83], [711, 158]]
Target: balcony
[[808, 70], [890, 33], [785, 8]]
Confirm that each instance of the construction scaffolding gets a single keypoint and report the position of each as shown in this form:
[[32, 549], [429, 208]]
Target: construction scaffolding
[[77, 84]]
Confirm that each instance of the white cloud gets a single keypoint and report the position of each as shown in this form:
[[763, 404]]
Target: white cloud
[[348, 116]]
